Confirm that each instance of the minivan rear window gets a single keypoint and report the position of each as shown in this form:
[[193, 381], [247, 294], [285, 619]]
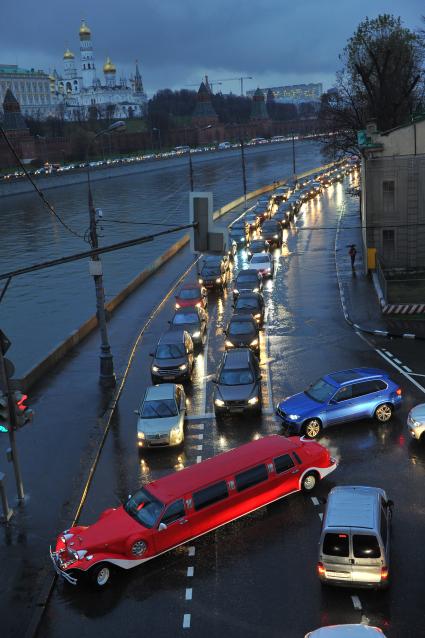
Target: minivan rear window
[[251, 477], [336, 545], [210, 495], [366, 546]]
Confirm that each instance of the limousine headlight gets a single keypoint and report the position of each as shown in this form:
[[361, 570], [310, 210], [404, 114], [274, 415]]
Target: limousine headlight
[[253, 401], [219, 402]]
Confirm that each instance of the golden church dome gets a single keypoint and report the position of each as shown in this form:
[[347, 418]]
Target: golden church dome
[[108, 67], [84, 30], [68, 55]]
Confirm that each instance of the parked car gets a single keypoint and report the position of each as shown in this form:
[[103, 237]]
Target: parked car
[[238, 384], [263, 263], [192, 295], [346, 631], [194, 321], [242, 332], [257, 246], [184, 505], [224, 145], [247, 280], [161, 416], [173, 358], [341, 397], [271, 232], [354, 545], [251, 303], [416, 422]]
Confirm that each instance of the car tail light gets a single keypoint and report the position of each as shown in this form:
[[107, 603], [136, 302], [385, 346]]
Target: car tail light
[[384, 573], [320, 569], [398, 392]]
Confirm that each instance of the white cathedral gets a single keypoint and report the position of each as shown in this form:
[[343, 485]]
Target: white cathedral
[[81, 91]]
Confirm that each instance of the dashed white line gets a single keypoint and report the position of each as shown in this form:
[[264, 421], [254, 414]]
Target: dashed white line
[[191, 551], [407, 369], [197, 426], [190, 571], [195, 417], [197, 436], [397, 361], [198, 447], [198, 459], [356, 603], [321, 516], [315, 500], [188, 595], [186, 621]]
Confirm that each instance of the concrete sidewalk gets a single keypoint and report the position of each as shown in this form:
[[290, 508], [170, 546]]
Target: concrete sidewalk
[[358, 295]]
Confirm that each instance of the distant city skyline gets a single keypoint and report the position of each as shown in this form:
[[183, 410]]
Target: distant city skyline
[[178, 43]]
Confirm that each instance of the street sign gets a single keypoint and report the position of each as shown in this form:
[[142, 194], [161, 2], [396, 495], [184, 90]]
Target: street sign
[[4, 342]]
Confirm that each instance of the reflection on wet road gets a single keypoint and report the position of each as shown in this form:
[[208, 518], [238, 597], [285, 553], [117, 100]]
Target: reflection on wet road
[[256, 576]]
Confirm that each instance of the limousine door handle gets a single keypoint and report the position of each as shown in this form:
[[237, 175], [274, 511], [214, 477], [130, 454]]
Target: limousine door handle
[[183, 521]]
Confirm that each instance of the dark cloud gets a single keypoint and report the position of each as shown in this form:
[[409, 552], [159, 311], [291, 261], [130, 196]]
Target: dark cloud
[[177, 41]]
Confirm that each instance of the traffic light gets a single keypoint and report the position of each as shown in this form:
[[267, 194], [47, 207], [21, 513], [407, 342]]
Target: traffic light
[[4, 414], [23, 413]]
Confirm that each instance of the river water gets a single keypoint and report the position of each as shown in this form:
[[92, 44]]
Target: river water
[[41, 309]]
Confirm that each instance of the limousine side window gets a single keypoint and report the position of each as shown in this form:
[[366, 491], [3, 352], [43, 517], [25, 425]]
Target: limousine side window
[[173, 512], [251, 477], [283, 463], [210, 495]]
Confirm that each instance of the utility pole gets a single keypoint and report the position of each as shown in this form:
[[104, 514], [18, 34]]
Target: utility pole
[[5, 385], [190, 171], [243, 171], [294, 170]]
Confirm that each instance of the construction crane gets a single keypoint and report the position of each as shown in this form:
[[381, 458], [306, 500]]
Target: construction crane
[[215, 82]]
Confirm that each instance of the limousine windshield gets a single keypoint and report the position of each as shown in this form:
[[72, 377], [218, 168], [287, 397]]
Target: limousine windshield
[[144, 508], [236, 377], [159, 408]]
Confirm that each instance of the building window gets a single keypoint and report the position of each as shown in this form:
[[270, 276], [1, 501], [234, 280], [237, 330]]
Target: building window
[[388, 246], [388, 196]]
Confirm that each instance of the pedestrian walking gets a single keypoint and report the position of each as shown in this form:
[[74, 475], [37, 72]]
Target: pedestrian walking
[[352, 252]]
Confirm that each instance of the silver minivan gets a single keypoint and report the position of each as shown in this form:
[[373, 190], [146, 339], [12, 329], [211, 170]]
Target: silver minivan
[[354, 547]]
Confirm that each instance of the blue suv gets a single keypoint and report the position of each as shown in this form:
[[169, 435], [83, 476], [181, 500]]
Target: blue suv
[[338, 397]]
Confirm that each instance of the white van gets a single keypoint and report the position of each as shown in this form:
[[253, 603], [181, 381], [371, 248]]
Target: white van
[[224, 145], [354, 546]]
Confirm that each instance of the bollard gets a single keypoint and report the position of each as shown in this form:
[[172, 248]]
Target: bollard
[[7, 511]]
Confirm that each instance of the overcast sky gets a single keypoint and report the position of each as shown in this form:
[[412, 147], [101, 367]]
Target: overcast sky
[[177, 41]]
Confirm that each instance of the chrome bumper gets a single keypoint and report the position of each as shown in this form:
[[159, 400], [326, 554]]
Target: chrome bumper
[[59, 571]]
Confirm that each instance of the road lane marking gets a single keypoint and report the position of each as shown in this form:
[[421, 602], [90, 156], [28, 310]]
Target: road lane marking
[[186, 621], [356, 603], [198, 459], [397, 361], [190, 571], [191, 551], [188, 595], [384, 356], [365, 620], [416, 374], [196, 436], [195, 417], [315, 500], [321, 516], [197, 426], [407, 369], [198, 447]]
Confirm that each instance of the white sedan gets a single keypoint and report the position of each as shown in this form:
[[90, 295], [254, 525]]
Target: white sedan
[[263, 263]]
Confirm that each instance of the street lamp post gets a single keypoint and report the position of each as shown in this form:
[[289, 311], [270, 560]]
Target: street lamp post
[[243, 170], [158, 130], [107, 375], [294, 169]]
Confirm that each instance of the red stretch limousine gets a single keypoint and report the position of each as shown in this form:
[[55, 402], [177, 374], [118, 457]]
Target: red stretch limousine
[[181, 506]]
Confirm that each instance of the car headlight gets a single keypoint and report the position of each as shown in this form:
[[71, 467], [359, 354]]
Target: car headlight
[[257, 316], [218, 280], [275, 236], [236, 291], [175, 434], [253, 401], [219, 402], [177, 305], [201, 281], [293, 417], [183, 366], [196, 334], [256, 290], [242, 238], [229, 344], [254, 342], [140, 435], [155, 368]]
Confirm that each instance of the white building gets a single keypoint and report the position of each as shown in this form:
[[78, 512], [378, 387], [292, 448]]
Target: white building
[[31, 88], [83, 90]]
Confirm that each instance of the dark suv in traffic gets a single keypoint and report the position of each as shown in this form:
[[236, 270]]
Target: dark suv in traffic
[[173, 358], [238, 384]]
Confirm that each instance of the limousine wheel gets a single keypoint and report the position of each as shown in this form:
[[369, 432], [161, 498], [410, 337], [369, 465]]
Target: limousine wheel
[[100, 575], [309, 482], [312, 428], [384, 412]]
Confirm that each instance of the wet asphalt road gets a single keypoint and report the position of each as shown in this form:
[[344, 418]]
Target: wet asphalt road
[[256, 577]]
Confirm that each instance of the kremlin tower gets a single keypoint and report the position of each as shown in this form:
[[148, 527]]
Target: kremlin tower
[[88, 68]]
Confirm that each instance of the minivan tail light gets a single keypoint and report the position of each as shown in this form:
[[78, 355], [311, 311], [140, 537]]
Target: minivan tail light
[[398, 392], [384, 573], [320, 569]]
